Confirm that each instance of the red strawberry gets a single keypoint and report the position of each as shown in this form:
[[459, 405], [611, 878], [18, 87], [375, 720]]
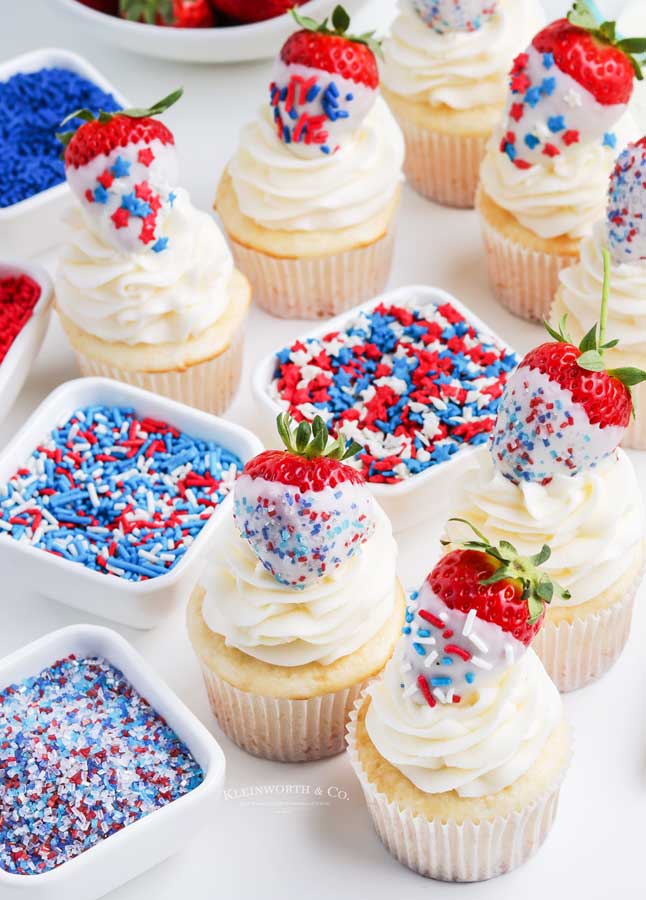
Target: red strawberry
[[254, 10], [562, 411], [334, 51], [303, 511], [475, 614], [176, 13], [109, 7]]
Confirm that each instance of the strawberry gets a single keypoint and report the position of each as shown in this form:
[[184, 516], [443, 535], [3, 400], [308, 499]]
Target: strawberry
[[254, 10], [571, 86], [302, 509], [122, 167], [325, 83], [626, 216], [562, 411], [446, 16], [109, 7], [474, 616], [176, 13]]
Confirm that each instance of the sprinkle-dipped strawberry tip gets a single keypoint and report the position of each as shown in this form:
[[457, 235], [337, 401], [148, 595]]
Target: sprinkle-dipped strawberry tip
[[324, 84], [626, 214], [122, 168], [563, 410], [474, 617], [303, 510], [446, 16]]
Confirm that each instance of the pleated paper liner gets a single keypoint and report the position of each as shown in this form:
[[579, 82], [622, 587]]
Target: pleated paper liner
[[281, 729], [316, 287], [209, 385], [448, 851]]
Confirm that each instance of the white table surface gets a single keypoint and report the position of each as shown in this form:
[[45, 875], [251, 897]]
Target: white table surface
[[284, 845]]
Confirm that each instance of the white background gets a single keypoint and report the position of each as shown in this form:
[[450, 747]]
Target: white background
[[326, 847]]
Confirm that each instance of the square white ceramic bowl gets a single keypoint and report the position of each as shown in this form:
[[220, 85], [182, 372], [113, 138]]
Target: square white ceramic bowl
[[34, 223], [139, 604], [15, 366], [423, 495], [153, 838]]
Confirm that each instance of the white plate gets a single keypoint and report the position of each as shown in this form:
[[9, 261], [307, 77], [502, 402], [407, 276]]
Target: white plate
[[155, 837], [16, 365], [33, 225], [237, 43], [423, 495], [141, 604]]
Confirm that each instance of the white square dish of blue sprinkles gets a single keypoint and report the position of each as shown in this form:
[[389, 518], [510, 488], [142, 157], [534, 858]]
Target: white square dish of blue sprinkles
[[413, 376], [110, 495]]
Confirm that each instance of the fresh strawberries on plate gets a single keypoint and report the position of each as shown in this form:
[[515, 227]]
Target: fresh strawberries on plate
[[562, 410], [175, 13], [303, 510], [247, 11]]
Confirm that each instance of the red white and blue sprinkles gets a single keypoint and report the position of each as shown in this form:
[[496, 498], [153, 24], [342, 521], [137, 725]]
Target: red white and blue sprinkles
[[445, 16], [82, 756], [413, 384], [121, 494], [626, 222]]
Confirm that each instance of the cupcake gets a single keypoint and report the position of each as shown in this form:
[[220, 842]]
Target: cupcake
[[461, 746], [310, 198], [554, 475], [300, 606], [445, 77], [146, 289], [623, 234], [543, 180]]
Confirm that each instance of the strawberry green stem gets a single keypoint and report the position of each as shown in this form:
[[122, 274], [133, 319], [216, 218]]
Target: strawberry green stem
[[604, 299]]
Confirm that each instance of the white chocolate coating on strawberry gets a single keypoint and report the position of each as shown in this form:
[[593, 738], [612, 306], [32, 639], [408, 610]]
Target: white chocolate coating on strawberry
[[626, 219], [446, 16], [301, 536], [541, 433], [452, 652], [316, 111], [127, 195]]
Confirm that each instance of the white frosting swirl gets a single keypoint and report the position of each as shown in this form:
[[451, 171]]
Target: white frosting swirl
[[593, 521], [459, 69], [279, 190], [475, 749], [564, 196], [321, 623], [145, 297], [580, 296]]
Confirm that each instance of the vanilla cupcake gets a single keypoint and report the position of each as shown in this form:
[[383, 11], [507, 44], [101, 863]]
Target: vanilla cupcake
[[445, 76], [146, 288], [461, 746], [623, 235], [300, 606], [310, 198], [543, 180]]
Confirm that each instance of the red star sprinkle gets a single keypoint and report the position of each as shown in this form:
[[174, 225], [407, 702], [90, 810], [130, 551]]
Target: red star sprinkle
[[516, 111], [89, 196], [551, 150], [106, 179], [571, 137], [145, 156], [120, 217]]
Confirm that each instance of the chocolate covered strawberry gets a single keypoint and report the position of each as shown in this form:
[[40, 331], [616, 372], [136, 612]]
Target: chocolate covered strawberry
[[445, 16], [562, 410], [302, 509], [325, 83], [122, 167], [246, 11], [626, 217], [175, 13], [570, 87], [474, 616]]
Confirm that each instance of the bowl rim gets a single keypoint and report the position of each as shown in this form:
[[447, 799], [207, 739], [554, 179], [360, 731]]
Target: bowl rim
[[262, 375], [8, 268]]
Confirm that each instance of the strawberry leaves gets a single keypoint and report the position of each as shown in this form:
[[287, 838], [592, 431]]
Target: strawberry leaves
[[340, 26], [584, 16], [312, 440]]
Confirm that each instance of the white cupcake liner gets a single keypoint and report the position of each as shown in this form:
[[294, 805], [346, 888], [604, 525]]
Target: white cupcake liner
[[316, 287], [443, 167], [280, 729], [448, 851], [635, 436], [209, 385], [524, 280], [576, 653]]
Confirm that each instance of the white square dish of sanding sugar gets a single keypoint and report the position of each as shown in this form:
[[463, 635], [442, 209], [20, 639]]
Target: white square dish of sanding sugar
[[115, 515]]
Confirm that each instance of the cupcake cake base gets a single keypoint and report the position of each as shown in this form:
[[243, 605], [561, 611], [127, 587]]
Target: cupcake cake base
[[449, 838]]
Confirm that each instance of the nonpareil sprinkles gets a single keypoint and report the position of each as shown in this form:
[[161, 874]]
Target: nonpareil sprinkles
[[121, 494], [19, 294], [412, 384], [32, 107], [82, 755]]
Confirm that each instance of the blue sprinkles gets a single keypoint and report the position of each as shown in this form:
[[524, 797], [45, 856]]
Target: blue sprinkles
[[32, 107], [117, 493], [82, 756]]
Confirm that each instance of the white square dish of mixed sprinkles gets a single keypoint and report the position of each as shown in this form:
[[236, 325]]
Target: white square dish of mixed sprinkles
[[413, 376]]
